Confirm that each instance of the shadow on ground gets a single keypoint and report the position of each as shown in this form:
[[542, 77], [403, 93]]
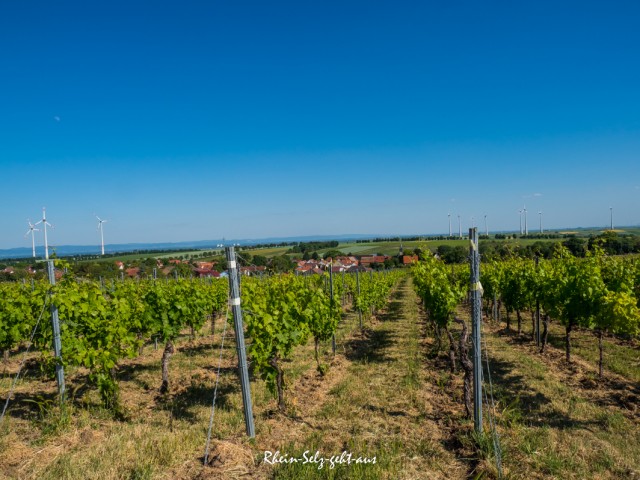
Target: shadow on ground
[[196, 395], [369, 347], [520, 403]]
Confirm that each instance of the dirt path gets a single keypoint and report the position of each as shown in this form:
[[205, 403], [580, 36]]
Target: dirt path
[[378, 401]]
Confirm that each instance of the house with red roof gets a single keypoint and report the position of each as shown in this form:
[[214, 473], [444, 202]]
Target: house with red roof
[[132, 272], [206, 273], [409, 259], [368, 260], [207, 265], [252, 270]]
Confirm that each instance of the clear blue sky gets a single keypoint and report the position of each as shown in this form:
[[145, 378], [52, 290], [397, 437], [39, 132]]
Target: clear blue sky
[[197, 120]]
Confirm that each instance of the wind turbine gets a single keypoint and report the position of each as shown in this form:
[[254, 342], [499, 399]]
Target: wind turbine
[[100, 227], [540, 213], [449, 215], [459, 227], [486, 229], [611, 211], [526, 229], [520, 213], [32, 228], [44, 224]]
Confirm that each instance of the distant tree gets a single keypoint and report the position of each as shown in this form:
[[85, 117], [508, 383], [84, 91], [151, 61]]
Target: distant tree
[[303, 247], [576, 246], [281, 264], [260, 260], [332, 254], [306, 256], [245, 258], [315, 256], [220, 264], [541, 249], [150, 262], [610, 242], [184, 270], [390, 263], [449, 254]]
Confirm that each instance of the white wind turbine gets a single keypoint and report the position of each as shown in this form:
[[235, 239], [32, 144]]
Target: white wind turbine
[[540, 214], [32, 228], [44, 225], [101, 228], [611, 212], [520, 213]]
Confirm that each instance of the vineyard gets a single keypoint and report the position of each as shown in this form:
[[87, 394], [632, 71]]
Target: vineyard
[[374, 364], [599, 293]]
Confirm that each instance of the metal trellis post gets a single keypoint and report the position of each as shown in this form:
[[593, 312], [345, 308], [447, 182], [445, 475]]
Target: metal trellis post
[[242, 354], [476, 322], [358, 286], [57, 343], [537, 309], [333, 337]]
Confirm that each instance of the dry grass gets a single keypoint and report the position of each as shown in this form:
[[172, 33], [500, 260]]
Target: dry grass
[[556, 420], [621, 357]]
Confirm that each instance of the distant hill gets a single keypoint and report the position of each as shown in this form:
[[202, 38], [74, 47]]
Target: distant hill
[[69, 250]]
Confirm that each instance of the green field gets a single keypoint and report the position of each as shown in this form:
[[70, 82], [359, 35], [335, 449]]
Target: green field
[[393, 247], [389, 248], [268, 252], [129, 257], [369, 248]]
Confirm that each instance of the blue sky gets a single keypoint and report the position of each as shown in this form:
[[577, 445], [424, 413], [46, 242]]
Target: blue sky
[[197, 120]]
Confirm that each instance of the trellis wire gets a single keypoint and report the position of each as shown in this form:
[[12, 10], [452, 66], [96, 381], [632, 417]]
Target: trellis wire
[[248, 264], [492, 421], [22, 362], [215, 390]]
